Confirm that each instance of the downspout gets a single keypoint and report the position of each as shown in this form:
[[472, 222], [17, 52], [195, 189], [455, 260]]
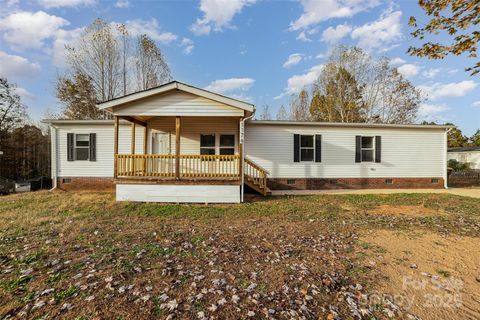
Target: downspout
[[242, 132], [53, 156], [445, 178]]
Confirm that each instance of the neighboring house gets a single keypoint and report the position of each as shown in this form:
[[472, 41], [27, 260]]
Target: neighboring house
[[178, 143], [469, 155]]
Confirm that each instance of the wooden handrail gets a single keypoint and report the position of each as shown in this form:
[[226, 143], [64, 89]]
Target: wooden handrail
[[192, 166], [256, 173]]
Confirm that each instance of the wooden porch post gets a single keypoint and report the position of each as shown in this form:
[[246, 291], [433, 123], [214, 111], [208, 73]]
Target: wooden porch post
[[177, 147], [115, 148], [145, 140], [133, 137], [144, 161]]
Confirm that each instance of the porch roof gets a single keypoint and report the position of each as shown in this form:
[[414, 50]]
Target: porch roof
[[172, 87]]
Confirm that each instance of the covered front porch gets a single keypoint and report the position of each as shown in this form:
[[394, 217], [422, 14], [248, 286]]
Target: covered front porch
[[172, 151], [185, 145]]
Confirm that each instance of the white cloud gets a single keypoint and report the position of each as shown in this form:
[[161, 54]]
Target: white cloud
[[229, 85], [187, 45], [332, 35], [217, 14], [408, 70], [151, 28], [444, 90], [303, 37], [476, 104], [296, 83], [23, 93], [431, 112], [397, 61], [30, 29], [122, 4], [431, 73], [65, 3], [63, 38], [14, 67], [293, 59], [383, 31], [315, 11]]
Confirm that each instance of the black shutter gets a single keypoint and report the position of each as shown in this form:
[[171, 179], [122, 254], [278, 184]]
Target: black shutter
[[378, 149], [296, 148], [358, 148], [318, 148], [70, 142], [93, 147]]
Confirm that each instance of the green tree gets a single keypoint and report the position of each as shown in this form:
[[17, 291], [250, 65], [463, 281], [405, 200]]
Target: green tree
[[474, 140], [456, 137], [458, 18]]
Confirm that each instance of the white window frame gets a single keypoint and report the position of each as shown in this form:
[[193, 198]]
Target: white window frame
[[367, 149], [306, 148], [81, 147]]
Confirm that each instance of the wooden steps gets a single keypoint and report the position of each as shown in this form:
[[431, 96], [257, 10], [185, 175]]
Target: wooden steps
[[256, 177]]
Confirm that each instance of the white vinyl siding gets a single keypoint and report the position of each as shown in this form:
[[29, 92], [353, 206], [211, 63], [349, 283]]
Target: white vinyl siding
[[103, 166], [406, 152], [191, 129], [178, 104]]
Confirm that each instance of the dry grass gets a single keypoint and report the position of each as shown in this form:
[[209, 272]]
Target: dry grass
[[288, 257]]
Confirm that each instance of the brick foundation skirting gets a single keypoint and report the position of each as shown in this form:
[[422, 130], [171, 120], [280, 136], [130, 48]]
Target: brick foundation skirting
[[85, 183], [354, 183], [108, 184]]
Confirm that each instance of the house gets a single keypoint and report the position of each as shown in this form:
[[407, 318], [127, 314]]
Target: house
[[179, 143], [469, 155]]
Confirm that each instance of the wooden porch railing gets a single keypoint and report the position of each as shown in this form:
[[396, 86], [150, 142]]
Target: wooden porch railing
[[191, 166], [256, 174]]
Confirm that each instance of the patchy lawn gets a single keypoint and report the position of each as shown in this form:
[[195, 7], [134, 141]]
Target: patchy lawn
[[84, 256]]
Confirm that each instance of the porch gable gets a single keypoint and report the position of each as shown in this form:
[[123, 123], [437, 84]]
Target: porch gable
[[177, 103]]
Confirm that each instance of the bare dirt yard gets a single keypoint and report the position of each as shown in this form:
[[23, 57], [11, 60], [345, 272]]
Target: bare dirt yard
[[84, 256]]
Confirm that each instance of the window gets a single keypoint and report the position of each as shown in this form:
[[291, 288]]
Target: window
[[82, 146], [368, 149], [207, 144], [227, 144], [388, 181], [307, 149]]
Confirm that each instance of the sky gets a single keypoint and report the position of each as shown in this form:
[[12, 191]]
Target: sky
[[256, 50]]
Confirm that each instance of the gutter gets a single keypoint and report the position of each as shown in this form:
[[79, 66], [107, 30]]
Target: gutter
[[445, 178], [53, 156], [242, 178]]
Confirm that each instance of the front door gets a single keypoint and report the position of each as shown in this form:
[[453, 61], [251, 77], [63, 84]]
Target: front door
[[160, 143]]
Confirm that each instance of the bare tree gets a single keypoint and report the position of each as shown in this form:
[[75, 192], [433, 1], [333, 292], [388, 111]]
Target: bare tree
[[363, 89], [125, 46], [265, 114], [151, 67], [97, 56], [100, 60], [300, 106], [12, 111], [282, 113]]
